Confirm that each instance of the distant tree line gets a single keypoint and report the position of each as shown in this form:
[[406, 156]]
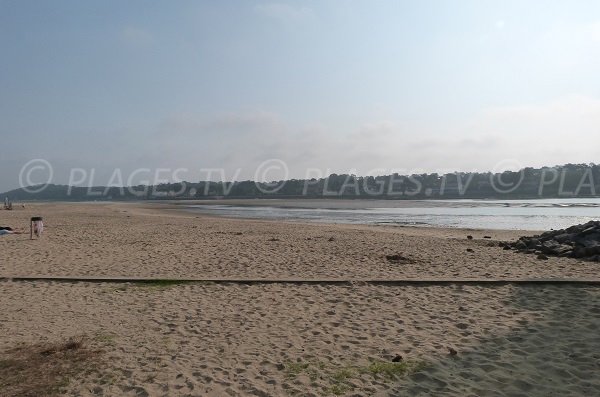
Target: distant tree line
[[570, 180]]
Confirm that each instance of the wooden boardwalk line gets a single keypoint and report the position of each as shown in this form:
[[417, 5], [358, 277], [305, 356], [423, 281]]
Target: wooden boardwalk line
[[324, 281]]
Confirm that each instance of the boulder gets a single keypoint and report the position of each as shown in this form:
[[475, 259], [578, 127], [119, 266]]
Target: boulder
[[578, 241]]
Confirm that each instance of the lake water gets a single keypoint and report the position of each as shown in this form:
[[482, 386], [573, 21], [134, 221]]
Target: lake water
[[480, 214]]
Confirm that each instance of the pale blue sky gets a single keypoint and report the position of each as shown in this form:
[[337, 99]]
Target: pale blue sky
[[338, 85]]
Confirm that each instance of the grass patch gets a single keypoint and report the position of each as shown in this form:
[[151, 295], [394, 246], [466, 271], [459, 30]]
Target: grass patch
[[338, 389], [108, 339], [392, 370], [44, 369], [337, 378], [294, 369], [342, 374]]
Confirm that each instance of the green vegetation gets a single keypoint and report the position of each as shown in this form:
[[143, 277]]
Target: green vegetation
[[294, 369], [547, 182], [337, 378], [394, 370], [108, 339]]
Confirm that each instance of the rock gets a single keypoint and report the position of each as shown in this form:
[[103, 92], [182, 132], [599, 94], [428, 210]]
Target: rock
[[469, 237], [452, 351], [331, 239], [590, 240], [470, 250], [533, 243], [563, 250], [589, 230], [491, 244], [488, 237], [520, 245], [563, 238], [579, 252], [542, 257], [397, 358], [578, 241]]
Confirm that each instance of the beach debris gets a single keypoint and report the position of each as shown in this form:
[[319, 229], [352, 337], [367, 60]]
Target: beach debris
[[470, 250], [452, 351], [492, 244], [396, 258], [36, 227], [579, 241], [488, 237], [331, 239], [397, 358], [238, 233], [469, 237], [274, 239]]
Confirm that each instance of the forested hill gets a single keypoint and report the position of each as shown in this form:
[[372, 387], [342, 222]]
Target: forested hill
[[571, 180]]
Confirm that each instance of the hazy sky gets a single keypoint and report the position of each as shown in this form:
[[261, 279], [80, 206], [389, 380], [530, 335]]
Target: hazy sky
[[344, 86]]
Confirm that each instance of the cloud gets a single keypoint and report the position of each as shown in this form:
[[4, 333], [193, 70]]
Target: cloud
[[285, 13], [560, 131], [564, 130]]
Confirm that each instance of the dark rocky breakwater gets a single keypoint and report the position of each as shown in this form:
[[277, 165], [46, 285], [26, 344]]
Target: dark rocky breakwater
[[580, 241]]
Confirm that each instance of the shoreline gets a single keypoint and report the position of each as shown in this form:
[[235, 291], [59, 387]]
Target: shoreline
[[132, 240]]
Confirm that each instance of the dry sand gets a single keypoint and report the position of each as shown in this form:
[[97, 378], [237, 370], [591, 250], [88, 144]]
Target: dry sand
[[296, 340], [129, 240]]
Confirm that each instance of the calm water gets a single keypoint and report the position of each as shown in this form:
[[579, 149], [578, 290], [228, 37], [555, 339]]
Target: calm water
[[484, 214]]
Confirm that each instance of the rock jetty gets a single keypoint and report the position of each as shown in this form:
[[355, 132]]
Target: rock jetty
[[580, 241]]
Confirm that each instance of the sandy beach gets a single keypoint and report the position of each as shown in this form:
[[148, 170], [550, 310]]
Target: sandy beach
[[149, 241], [215, 339]]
